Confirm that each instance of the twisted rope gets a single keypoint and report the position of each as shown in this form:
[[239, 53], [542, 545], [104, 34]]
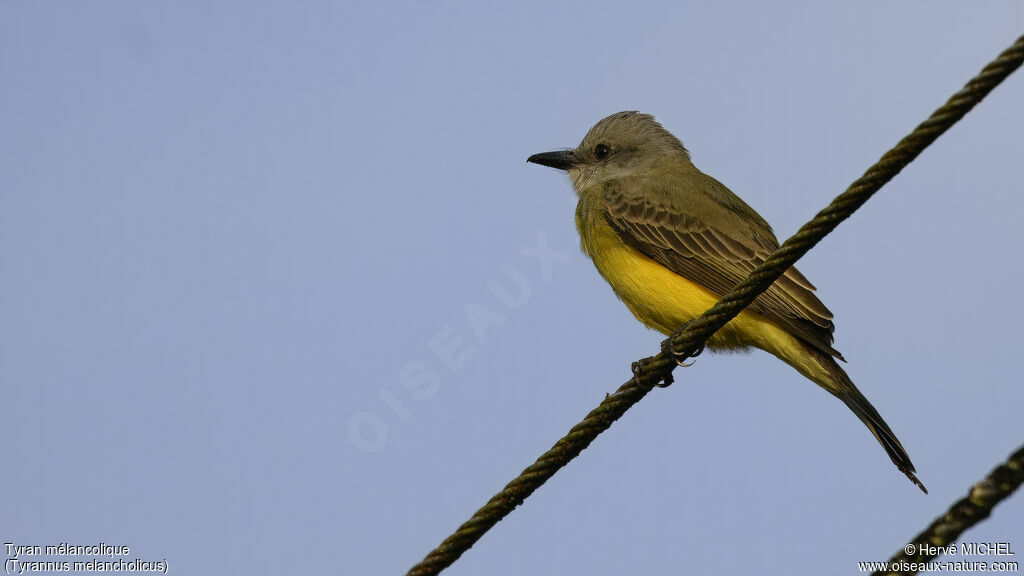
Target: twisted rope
[[651, 371], [965, 513]]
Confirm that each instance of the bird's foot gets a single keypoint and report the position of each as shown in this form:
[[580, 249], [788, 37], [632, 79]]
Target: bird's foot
[[680, 356], [640, 366]]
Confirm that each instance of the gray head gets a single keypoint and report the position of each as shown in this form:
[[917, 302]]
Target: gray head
[[622, 144]]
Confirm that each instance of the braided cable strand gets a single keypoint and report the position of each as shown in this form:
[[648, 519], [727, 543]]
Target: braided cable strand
[[965, 513], [846, 203], [657, 368]]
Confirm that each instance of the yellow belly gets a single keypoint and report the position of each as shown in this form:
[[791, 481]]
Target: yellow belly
[[664, 300]]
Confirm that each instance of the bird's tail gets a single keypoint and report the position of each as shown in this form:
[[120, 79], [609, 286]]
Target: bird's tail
[[840, 385]]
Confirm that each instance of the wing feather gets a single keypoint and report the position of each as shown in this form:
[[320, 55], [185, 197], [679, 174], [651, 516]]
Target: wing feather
[[690, 228]]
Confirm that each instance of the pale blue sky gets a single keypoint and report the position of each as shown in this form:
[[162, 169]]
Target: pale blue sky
[[233, 235]]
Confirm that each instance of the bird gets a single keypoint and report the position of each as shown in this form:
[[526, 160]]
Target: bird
[[671, 240]]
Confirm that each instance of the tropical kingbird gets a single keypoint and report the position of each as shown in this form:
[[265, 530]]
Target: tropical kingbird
[[672, 240]]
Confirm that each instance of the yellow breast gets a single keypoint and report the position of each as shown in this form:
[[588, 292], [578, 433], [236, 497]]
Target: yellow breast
[[660, 298]]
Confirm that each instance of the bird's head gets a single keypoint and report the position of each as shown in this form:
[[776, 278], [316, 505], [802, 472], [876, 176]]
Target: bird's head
[[621, 145]]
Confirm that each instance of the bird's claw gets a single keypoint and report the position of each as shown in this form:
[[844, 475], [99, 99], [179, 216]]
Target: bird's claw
[[640, 366], [666, 381], [680, 356]]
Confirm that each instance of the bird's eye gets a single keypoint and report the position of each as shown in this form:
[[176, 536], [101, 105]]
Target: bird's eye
[[602, 151]]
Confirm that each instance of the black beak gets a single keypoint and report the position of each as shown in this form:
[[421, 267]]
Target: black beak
[[562, 159]]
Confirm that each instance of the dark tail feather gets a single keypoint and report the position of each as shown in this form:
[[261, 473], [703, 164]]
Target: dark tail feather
[[844, 389]]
